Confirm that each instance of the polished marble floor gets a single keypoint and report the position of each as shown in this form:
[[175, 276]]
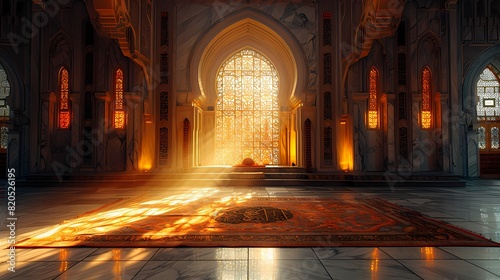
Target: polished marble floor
[[475, 207]]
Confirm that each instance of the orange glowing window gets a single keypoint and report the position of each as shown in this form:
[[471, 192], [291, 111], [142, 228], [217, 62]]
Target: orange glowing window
[[64, 113], [119, 113], [426, 114], [373, 99]]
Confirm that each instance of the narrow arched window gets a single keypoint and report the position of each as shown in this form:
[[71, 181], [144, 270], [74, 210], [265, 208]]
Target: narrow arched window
[[373, 99], [64, 103], [426, 108], [119, 113]]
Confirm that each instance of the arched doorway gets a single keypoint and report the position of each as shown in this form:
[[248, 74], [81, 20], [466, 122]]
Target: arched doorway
[[247, 111], [488, 117], [254, 31]]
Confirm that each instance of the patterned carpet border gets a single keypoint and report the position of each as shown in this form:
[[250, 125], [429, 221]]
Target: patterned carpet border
[[356, 222]]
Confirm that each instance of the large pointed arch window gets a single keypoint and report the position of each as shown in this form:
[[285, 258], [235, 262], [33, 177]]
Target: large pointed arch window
[[64, 104], [247, 110], [119, 113], [426, 107], [373, 99]]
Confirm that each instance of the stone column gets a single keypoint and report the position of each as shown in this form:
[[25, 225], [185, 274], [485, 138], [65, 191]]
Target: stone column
[[445, 133], [359, 133], [47, 128], [103, 100], [472, 154], [388, 101], [76, 129], [133, 123]]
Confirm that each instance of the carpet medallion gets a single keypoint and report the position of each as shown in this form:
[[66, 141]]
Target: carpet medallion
[[207, 221]]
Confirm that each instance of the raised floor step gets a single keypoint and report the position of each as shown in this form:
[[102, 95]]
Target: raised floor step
[[256, 177]]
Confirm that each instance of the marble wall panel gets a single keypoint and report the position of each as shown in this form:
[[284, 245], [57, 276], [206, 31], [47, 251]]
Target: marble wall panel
[[116, 151], [391, 147], [374, 150], [472, 154]]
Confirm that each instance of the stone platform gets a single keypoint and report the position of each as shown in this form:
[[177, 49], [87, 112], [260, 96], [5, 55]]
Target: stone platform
[[263, 176]]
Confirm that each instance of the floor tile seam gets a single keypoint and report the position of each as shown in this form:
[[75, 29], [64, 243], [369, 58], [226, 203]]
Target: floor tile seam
[[408, 269], [322, 264], [65, 271], [140, 269], [468, 260]]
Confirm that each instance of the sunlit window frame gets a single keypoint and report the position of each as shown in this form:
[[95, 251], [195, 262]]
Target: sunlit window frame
[[220, 150]]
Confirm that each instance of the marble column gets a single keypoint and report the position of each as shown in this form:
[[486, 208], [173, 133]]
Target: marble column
[[133, 122], [388, 101], [47, 128], [103, 100], [359, 132], [76, 130], [472, 154], [445, 133]]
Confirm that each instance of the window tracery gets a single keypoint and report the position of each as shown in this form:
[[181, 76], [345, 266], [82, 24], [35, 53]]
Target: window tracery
[[4, 93], [119, 113], [373, 99], [487, 89], [64, 106], [247, 110], [426, 110]]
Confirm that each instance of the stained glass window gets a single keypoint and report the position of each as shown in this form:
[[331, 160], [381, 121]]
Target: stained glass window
[[494, 137], [4, 93], [425, 113], [372, 99], [488, 95], [247, 110], [119, 113], [64, 113], [481, 137]]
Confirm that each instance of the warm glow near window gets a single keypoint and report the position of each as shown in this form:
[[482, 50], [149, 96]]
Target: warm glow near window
[[64, 113], [119, 113], [247, 110], [372, 102], [425, 114]]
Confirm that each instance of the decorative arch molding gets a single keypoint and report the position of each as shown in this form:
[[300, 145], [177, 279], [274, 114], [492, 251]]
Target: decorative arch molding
[[251, 29], [489, 57]]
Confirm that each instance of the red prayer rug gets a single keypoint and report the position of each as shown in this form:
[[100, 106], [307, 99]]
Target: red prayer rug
[[245, 221]]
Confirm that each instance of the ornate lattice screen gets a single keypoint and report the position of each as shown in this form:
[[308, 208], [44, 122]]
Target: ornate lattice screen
[[488, 96], [64, 112], [247, 120], [119, 113], [4, 93], [425, 113], [373, 99]]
